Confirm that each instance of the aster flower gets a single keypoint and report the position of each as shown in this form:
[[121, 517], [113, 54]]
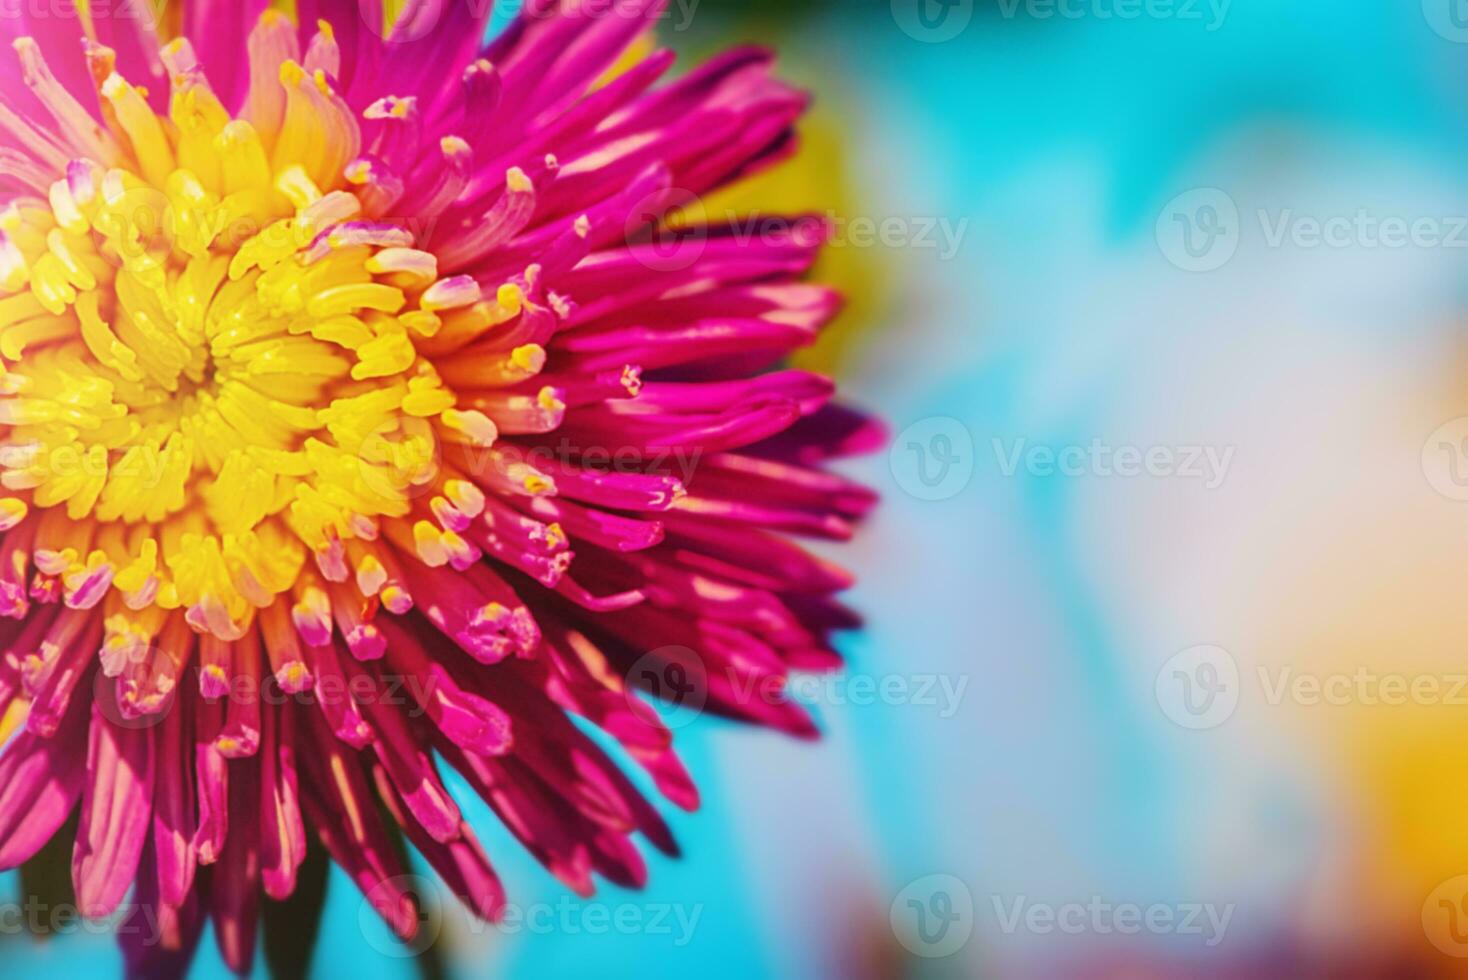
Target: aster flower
[[364, 414]]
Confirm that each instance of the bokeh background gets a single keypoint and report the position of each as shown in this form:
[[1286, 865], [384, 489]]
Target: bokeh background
[[1208, 719]]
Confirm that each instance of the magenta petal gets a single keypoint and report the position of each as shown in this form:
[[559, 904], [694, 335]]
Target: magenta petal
[[40, 781], [215, 28], [117, 806], [282, 834], [174, 815], [159, 940], [236, 880], [500, 262]]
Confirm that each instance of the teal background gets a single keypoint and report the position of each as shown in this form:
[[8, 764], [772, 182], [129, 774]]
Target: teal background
[[1058, 141]]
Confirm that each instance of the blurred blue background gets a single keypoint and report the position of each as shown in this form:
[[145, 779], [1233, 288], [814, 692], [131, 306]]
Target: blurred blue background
[[1032, 294]]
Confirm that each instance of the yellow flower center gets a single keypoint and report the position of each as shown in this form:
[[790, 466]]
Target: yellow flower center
[[215, 362]]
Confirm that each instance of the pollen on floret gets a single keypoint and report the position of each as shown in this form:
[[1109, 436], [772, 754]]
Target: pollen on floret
[[510, 299], [12, 512], [478, 427], [529, 358], [294, 677], [396, 600]]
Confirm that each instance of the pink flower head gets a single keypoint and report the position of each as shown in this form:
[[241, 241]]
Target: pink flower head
[[365, 412]]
